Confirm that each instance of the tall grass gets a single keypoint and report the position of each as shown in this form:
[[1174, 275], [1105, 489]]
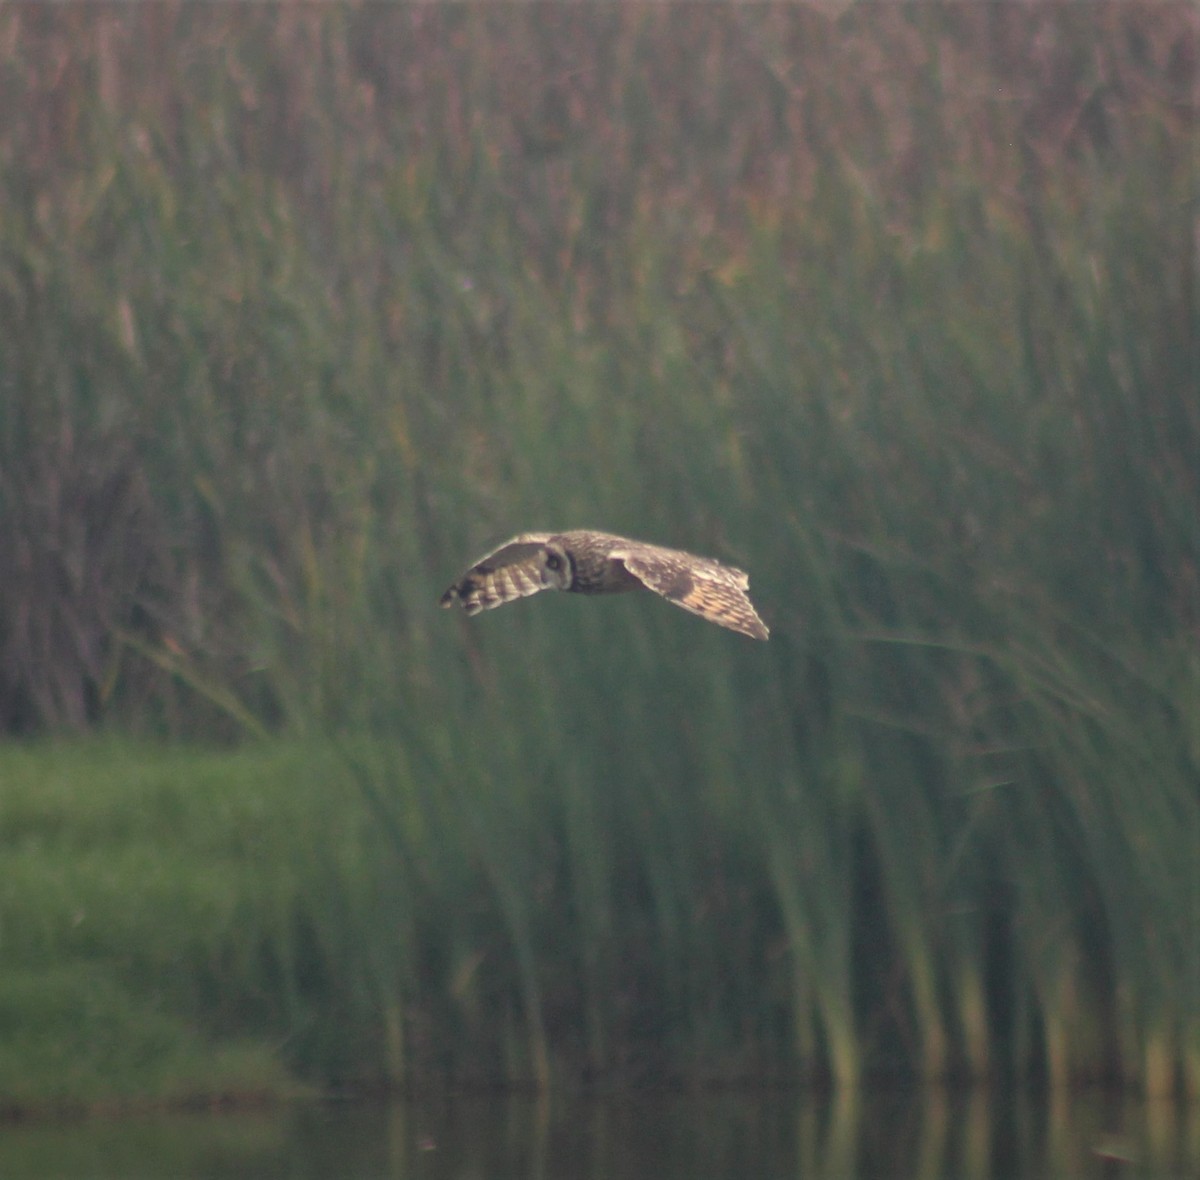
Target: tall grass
[[302, 308]]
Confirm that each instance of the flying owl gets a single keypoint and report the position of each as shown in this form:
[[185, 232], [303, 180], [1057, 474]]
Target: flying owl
[[585, 562]]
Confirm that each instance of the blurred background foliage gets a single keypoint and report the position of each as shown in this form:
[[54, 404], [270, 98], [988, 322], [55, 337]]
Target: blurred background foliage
[[302, 307]]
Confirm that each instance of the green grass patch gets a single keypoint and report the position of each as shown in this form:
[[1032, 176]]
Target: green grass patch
[[76, 1036], [147, 899]]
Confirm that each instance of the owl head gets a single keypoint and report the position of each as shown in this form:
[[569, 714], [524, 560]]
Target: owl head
[[555, 567]]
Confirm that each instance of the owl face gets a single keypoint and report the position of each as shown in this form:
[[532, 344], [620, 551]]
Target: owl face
[[557, 569]]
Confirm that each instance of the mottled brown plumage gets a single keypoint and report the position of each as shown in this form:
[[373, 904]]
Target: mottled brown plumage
[[585, 562]]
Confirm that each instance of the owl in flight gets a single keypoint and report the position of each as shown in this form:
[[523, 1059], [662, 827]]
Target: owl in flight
[[586, 562]]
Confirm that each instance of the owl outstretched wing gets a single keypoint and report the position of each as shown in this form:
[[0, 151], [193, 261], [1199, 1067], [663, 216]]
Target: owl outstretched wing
[[515, 570], [707, 588]]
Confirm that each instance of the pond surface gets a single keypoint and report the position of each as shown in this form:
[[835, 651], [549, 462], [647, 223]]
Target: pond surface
[[644, 1136]]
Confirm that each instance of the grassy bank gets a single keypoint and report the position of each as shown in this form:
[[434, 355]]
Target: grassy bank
[[181, 925], [303, 307], [147, 899]]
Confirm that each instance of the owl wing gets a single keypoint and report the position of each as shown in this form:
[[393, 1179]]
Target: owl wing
[[705, 587], [510, 572]]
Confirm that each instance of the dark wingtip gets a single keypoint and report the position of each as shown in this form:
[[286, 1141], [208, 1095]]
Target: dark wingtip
[[447, 599]]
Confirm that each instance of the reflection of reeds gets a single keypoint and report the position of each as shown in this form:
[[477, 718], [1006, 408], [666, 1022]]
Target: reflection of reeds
[[301, 307]]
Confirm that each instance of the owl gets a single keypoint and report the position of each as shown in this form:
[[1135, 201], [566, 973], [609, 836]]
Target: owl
[[585, 562]]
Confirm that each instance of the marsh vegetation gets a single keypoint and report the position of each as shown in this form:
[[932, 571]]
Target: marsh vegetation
[[303, 306]]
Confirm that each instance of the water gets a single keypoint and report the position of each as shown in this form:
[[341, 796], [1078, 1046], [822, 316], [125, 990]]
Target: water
[[633, 1137]]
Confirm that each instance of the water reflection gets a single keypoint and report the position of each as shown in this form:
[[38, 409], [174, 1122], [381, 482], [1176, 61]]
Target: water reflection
[[633, 1137]]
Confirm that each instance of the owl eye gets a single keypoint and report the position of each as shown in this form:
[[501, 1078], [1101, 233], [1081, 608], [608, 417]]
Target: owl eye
[[553, 562]]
